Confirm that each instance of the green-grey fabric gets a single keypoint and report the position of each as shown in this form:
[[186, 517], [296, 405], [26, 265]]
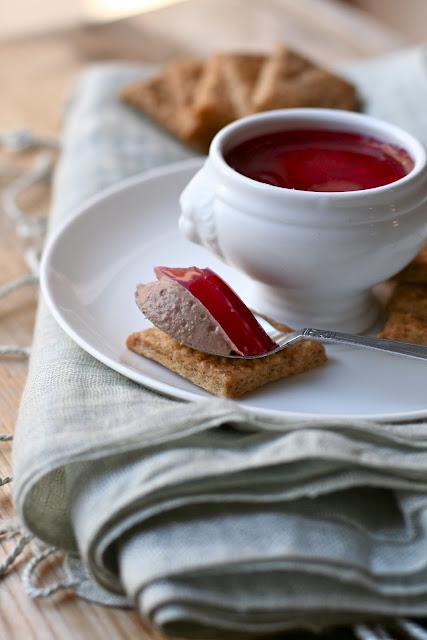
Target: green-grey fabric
[[213, 521]]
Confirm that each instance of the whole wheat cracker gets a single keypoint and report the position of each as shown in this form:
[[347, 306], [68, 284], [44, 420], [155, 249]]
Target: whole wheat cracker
[[288, 80], [405, 327], [407, 314], [193, 100], [241, 72], [166, 98], [223, 376], [224, 90], [415, 271], [410, 298]]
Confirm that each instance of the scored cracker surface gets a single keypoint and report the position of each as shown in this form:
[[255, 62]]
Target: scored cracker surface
[[211, 108], [222, 376], [194, 100], [166, 98], [290, 80], [241, 72], [225, 88]]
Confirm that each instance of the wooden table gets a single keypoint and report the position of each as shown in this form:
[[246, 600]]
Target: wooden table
[[35, 74]]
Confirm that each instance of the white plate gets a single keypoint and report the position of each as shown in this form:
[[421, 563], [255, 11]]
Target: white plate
[[89, 272]]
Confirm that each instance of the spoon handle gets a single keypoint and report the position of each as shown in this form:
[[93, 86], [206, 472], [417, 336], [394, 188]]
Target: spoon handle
[[379, 344]]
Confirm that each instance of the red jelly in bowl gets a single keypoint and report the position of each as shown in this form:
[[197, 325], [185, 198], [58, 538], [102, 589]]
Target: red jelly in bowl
[[320, 160]]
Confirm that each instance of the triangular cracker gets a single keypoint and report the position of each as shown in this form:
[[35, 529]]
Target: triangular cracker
[[166, 98], [194, 100], [241, 73], [289, 80], [225, 88]]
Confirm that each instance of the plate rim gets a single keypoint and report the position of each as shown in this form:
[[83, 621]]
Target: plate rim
[[83, 210]]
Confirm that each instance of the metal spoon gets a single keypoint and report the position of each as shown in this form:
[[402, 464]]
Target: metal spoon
[[284, 340]]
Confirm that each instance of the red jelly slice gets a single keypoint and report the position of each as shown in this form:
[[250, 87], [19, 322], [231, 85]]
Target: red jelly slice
[[225, 306]]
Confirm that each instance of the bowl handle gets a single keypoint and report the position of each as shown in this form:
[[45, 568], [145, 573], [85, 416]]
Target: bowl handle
[[197, 220]]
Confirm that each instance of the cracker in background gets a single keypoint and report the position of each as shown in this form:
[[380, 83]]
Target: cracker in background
[[241, 73], [225, 88], [416, 271], [194, 100], [410, 298], [222, 376], [166, 98], [289, 80], [407, 318], [406, 327]]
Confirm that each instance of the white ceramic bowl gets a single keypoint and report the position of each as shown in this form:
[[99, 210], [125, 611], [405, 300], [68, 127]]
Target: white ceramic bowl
[[313, 257]]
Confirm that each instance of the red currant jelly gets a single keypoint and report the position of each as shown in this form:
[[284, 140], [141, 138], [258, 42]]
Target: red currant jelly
[[320, 160]]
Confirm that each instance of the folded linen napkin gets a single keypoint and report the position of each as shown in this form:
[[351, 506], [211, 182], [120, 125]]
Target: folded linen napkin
[[211, 520]]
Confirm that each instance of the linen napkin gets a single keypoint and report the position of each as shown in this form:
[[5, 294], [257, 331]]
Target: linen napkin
[[213, 521]]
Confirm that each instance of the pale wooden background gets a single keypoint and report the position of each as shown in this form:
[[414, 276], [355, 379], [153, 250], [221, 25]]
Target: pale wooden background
[[35, 74], [407, 16]]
